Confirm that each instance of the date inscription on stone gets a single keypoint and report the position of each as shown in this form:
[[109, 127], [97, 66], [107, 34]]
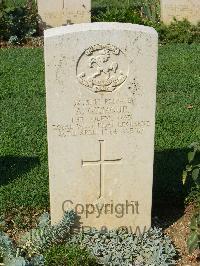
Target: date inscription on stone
[[106, 116]]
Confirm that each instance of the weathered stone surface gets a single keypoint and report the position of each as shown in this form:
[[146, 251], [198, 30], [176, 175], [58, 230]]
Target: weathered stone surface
[[180, 9], [55, 13], [101, 98]]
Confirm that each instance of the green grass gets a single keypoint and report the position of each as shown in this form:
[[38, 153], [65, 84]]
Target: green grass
[[14, 3], [68, 255], [23, 143], [176, 124]]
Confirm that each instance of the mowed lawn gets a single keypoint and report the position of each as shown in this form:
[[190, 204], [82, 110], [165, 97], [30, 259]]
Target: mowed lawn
[[23, 143]]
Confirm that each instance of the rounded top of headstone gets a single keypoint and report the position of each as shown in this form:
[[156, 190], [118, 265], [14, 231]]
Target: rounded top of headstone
[[99, 26]]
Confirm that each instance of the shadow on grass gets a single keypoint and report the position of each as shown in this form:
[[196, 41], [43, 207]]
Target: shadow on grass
[[168, 191], [12, 167]]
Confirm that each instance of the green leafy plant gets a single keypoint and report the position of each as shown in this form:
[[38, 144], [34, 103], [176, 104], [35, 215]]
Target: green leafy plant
[[10, 255], [150, 9], [192, 172], [193, 241], [147, 12]]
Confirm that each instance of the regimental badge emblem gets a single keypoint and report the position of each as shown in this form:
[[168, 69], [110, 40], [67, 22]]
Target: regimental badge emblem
[[102, 68]]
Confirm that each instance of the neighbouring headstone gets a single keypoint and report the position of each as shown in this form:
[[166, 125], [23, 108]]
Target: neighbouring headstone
[[55, 13], [101, 98], [180, 9]]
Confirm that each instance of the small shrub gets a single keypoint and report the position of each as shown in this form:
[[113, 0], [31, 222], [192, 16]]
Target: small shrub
[[125, 15], [18, 23], [27, 252], [123, 248], [181, 32], [46, 235]]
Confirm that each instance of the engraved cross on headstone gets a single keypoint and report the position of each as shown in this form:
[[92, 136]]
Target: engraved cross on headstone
[[101, 162]]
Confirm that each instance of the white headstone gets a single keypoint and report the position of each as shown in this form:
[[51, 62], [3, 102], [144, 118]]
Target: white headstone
[[101, 99], [180, 9], [55, 13]]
